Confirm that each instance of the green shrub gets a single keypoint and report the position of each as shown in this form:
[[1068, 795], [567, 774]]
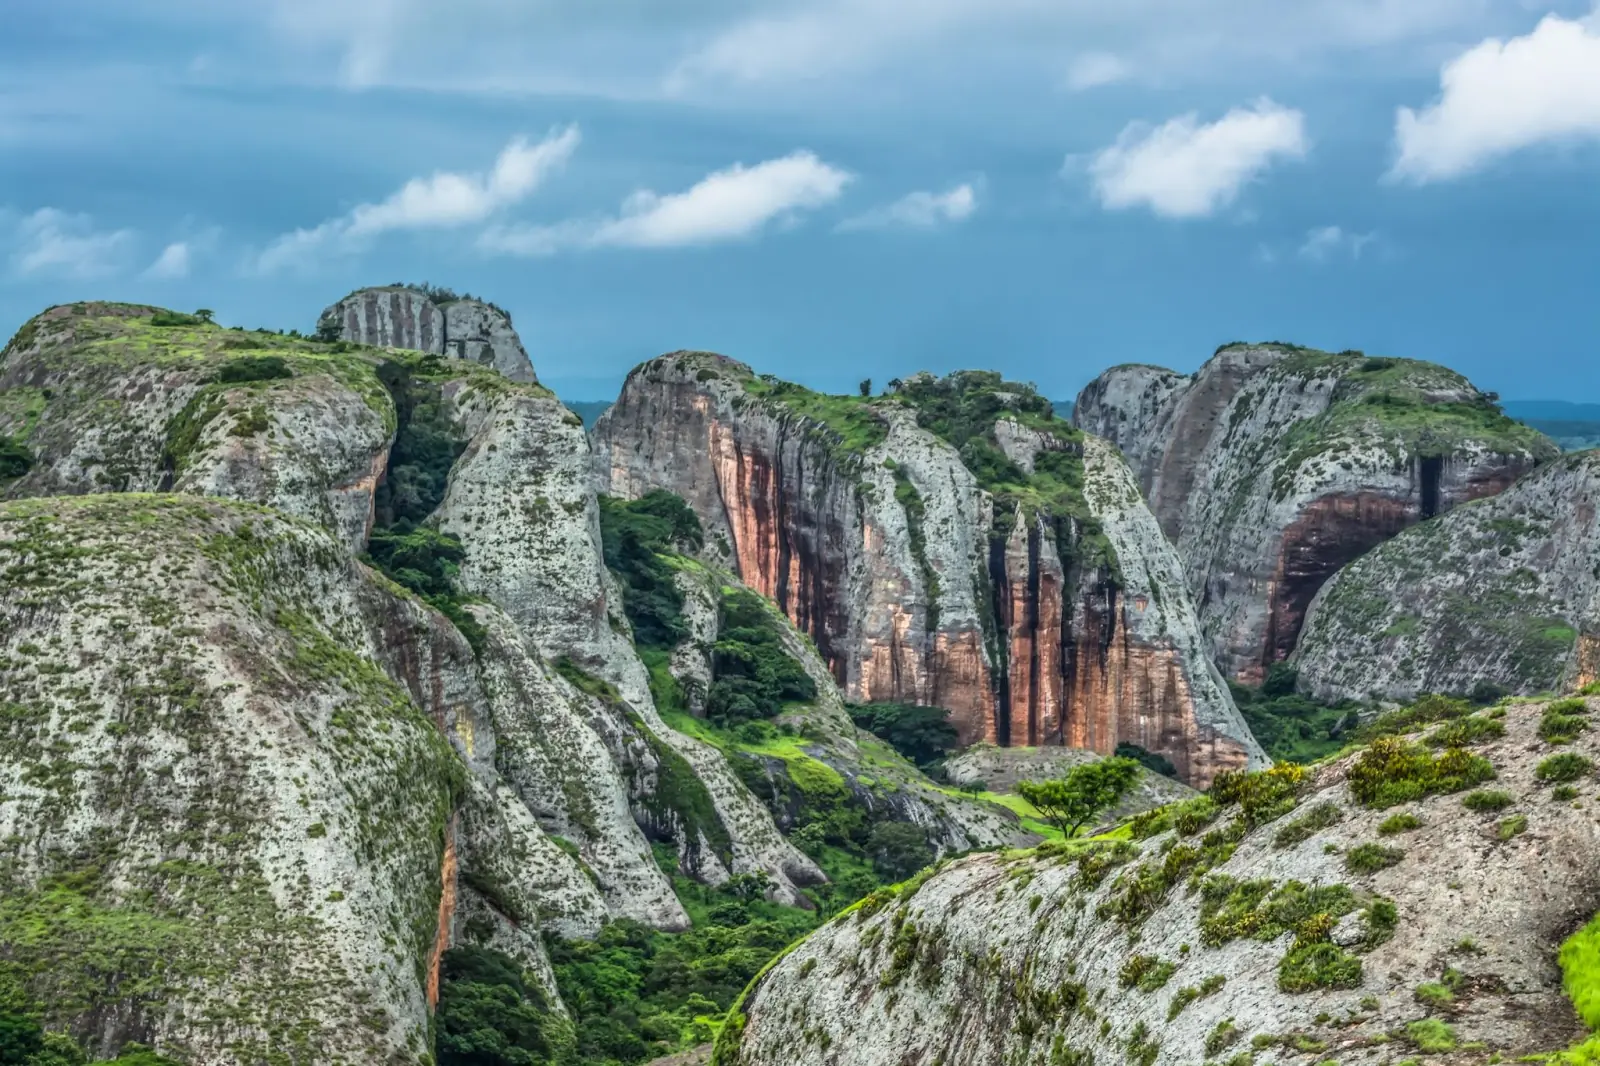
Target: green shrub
[[1564, 792], [1423, 711], [1564, 767], [15, 459], [1291, 727], [1156, 764], [638, 536], [1403, 822], [1431, 1035], [1145, 972], [1069, 803], [1222, 1036], [1189, 993], [491, 1014], [1562, 721], [1487, 800], [1320, 817], [254, 368], [1320, 964], [1192, 815], [1263, 796], [1514, 826], [1393, 771], [922, 734], [1370, 858], [173, 318], [1474, 729], [753, 676]]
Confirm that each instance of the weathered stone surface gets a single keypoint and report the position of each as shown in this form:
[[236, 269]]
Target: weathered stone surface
[[1001, 769], [1502, 592], [209, 785], [106, 401], [400, 317], [1273, 466], [1001, 958], [1020, 646]]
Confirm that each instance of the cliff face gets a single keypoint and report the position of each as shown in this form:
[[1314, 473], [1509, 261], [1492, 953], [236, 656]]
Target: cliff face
[[232, 759], [441, 324], [1272, 467], [1306, 939], [917, 583], [1502, 592]]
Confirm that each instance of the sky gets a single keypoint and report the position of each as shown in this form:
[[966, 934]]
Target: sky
[[832, 190]]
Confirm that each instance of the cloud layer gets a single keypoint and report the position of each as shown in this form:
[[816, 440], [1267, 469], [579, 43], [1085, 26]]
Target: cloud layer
[[1183, 169], [725, 205], [53, 243], [1503, 96], [919, 210], [443, 200]]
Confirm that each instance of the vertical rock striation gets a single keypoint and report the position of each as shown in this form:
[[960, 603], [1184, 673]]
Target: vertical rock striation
[[429, 320], [915, 581], [1504, 592], [1273, 466]]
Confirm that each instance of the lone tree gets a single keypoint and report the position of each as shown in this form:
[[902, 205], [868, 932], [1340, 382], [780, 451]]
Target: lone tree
[[1070, 802], [205, 314], [865, 386]]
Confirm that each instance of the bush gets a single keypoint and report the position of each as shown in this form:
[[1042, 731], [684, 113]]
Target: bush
[[1514, 826], [1393, 771], [1370, 858], [1562, 721], [1398, 823], [1317, 818], [1291, 727], [1431, 1035], [15, 459], [753, 676], [636, 536], [1424, 710], [922, 734], [1486, 801], [899, 849], [1565, 767], [1474, 729], [1308, 967], [1263, 796], [254, 368], [1145, 972], [167, 319]]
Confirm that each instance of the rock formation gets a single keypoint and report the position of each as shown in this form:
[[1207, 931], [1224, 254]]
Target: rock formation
[[429, 320], [1273, 466], [1289, 926], [1502, 593], [1006, 570]]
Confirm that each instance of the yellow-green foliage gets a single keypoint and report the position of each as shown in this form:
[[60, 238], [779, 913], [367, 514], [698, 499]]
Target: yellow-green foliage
[[1393, 771]]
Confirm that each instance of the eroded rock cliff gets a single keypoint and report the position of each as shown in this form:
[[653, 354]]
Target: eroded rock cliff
[[436, 321], [1501, 593], [1273, 466], [950, 545], [1324, 918]]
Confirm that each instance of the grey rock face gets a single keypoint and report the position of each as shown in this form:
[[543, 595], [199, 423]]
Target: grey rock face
[[883, 554], [1273, 466], [1000, 958], [398, 317], [1500, 592]]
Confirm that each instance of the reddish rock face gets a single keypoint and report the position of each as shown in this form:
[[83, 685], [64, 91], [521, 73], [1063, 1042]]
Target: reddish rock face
[[1032, 652]]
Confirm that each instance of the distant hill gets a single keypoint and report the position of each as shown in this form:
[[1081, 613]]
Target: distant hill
[[1573, 426], [588, 410]]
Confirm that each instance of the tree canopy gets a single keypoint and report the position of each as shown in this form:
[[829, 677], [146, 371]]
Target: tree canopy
[[1069, 803]]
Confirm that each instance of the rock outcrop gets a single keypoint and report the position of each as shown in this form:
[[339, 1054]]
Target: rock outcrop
[[1041, 605], [1273, 466], [1304, 934], [234, 767], [429, 320], [1504, 593]]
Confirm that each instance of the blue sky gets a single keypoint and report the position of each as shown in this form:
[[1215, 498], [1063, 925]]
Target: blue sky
[[832, 189]]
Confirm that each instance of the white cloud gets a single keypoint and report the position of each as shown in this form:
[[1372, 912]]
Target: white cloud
[[53, 242], [173, 262], [725, 205], [444, 199], [919, 210], [1502, 96], [1094, 69], [1183, 169], [1328, 242]]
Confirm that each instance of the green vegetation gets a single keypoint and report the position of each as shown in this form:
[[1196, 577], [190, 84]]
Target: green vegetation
[[1395, 824], [1487, 800], [922, 734], [1514, 826], [1145, 972], [249, 368], [1222, 1036], [1069, 803], [1156, 764], [1291, 727], [25, 1042], [753, 676], [1370, 858], [850, 422], [1563, 720], [425, 561], [1393, 771], [491, 1013], [426, 444], [1431, 1036], [1439, 994], [910, 500], [641, 537], [1317, 818], [1320, 964], [1563, 767], [1190, 993], [15, 458]]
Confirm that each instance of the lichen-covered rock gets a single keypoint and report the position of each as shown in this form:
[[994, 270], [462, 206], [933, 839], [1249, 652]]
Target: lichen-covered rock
[[398, 316], [1503, 592], [223, 825], [107, 400], [1306, 938], [917, 583], [1273, 466]]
